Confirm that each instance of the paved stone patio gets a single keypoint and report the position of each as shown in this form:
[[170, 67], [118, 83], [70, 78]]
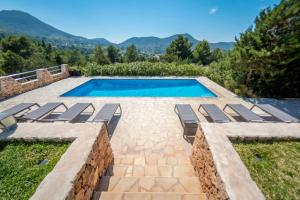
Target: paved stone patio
[[147, 139]]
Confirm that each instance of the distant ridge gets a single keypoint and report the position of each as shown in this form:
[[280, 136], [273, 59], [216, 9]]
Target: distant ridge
[[21, 23], [158, 45]]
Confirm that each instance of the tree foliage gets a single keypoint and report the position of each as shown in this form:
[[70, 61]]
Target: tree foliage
[[99, 56], [267, 57], [113, 54], [21, 46], [131, 54], [216, 55], [179, 50], [201, 53]]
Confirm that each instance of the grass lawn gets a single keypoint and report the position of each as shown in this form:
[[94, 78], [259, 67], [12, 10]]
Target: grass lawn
[[20, 173], [274, 166]]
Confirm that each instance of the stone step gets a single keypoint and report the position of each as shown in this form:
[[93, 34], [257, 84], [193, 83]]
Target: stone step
[[149, 184], [150, 170], [159, 160], [147, 196]]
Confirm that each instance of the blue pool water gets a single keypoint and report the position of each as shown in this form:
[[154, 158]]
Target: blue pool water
[[140, 88]]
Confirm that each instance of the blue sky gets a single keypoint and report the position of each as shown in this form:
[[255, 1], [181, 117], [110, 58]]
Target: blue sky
[[117, 20]]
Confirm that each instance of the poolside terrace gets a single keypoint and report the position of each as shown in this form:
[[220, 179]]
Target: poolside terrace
[[151, 157]]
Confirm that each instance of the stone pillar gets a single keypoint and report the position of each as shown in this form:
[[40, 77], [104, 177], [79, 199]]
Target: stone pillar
[[44, 76], [65, 69], [9, 87]]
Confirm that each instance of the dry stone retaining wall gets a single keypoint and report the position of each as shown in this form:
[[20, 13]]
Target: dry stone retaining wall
[[205, 169], [10, 87], [97, 163], [80, 168]]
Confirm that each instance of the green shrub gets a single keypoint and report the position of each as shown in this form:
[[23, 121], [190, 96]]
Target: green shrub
[[143, 69]]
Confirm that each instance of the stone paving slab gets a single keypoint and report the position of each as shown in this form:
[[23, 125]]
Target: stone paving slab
[[150, 184], [148, 196], [150, 170]]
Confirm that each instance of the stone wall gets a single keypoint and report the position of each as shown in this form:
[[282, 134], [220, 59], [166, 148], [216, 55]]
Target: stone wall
[[205, 169], [97, 163], [10, 87], [80, 168]]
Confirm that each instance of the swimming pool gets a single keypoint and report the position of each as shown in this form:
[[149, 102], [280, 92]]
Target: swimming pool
[[140, 88]]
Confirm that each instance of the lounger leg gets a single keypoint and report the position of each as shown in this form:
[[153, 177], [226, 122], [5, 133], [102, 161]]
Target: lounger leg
[[36, 104], [225, 107], [93, 108], [176, 111], [200, 111], [65, 106], [29, 109], [252, 107], [120, 110], [199, 107]]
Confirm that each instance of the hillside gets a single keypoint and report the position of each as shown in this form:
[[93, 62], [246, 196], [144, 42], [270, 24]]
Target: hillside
[[21, 23], [158, 45]]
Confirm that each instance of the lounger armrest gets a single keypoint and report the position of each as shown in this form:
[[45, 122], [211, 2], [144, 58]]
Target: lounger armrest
[[200, 106]]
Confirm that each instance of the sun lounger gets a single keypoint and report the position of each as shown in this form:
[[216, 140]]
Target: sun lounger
[[19, 108], [7, 121], [244, 112], [42, 111], [275, 112], [74, 111], [214, 113], [107, 112], [187, 115]]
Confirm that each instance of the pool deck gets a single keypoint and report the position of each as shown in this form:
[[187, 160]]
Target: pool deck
[[150, 127]]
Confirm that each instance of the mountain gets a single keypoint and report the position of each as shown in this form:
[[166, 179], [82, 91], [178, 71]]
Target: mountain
[[158, 45], [21, 23], [153, 44]]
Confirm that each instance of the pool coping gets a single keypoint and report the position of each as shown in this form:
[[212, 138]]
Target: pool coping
[[215, 88]]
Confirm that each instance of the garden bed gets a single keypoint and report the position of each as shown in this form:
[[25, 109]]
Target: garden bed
[[23, 165], [274, 166]]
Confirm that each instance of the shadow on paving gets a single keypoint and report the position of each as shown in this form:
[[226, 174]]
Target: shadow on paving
[[290, 106], [112, 125]]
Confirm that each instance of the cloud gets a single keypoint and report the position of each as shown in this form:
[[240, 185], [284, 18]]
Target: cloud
[[213, 11]]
